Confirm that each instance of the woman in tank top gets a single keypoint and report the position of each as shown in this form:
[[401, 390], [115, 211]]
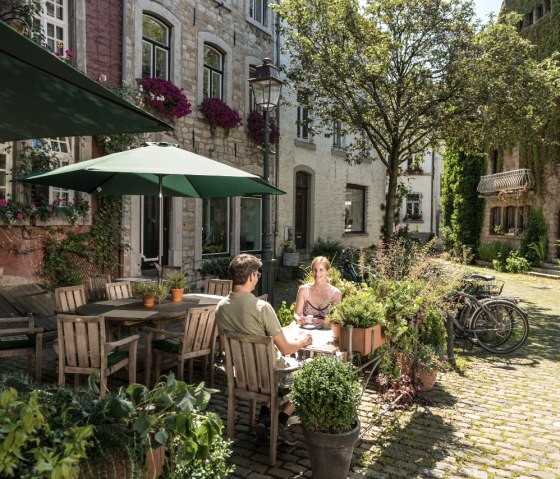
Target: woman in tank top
[[318, 297]]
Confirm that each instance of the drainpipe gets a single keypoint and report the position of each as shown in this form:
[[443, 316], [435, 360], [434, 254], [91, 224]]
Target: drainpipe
[[277, 149], [432, 212], [123, 79]]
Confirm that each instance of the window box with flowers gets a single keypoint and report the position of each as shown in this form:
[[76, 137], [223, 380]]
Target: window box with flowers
[[218, 114], [255, 126], [12, 212], [164, 98]]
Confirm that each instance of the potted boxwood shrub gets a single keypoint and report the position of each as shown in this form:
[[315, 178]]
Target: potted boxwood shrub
[[325, 393], [178, 284], [365, 315]]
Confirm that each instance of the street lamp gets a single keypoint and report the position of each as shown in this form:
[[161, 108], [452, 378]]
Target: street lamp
[[266, 88]]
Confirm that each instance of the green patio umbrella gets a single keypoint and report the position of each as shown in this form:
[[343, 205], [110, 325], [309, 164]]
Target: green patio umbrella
[[41, 96], [155, 169]]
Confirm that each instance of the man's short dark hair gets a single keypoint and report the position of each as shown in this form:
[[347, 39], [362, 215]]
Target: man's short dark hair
[[241, 266]]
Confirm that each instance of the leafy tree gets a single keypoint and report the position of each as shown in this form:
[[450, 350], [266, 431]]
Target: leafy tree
[[461, 207], [401, 75]]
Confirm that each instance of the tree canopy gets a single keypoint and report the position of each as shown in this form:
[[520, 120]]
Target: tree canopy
[[402, 75]]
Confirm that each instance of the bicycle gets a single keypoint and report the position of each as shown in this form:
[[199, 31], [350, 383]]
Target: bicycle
[[495, 324]]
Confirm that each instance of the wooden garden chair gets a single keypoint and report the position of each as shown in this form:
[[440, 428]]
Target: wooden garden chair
[[83, 349], [119, 290], [197, 339], [96, 287], [251, 374], [69, 298], [19, 337], [219, 287]]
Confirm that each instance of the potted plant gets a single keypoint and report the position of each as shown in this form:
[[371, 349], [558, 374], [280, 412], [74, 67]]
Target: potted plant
[[149, 291], [177, 283], [164, 98], [285, 314], [365, 315], [219, 114], [325, 393], [290, 257], [427, 364]]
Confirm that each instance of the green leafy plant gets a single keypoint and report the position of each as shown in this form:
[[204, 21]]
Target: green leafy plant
[[329, 248], [31, 446], [427, 358], [285, 314], [515, 263], [288, 247], [536, 229], [325, 393], [361, 310], [177, 281], [540, 248], [158, 290], [491, 251], [217, 267]]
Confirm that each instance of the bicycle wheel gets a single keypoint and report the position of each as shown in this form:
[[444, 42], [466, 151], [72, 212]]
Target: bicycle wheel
[[499, 327]]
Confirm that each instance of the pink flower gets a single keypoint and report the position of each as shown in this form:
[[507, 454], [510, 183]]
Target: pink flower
[[70, 54], [58, 54], [33, 206], [19, 216], [3, 202], [68, 203]]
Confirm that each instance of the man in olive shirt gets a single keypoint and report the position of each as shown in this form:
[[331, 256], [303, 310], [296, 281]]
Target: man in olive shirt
[[242, 312]]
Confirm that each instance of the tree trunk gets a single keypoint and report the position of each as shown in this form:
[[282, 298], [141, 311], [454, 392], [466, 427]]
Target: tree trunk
[[391, 198]]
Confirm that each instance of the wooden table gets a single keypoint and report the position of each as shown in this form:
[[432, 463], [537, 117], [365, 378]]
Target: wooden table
[[322, 340], [132, 312], [203, 298]]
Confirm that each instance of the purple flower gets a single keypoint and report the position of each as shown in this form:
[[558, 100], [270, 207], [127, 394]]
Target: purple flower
[[255, 125], [164, 97], [217, 113]]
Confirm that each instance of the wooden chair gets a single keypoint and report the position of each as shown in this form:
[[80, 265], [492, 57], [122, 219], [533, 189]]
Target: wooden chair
[[119, 290], [96, 287], [197, 339], [83, 349], [22, 338], [219, 287], [250, 368], [69, 298]]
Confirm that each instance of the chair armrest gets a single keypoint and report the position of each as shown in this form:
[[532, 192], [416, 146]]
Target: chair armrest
[[10, 332], [121, 342]]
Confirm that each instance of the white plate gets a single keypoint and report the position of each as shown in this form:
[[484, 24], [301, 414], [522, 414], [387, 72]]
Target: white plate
[[308, 326]]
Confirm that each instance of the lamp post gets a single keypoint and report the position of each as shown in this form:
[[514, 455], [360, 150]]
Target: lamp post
[[266, 88]]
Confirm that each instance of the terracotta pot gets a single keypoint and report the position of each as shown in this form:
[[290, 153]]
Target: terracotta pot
[[335, 327], [364, 340], [177, 294], [427, 378], [149, 301], [155, 459], [404, 363]]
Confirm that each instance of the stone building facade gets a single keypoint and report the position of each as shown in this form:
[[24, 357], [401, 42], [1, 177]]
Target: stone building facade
[[525, 176]]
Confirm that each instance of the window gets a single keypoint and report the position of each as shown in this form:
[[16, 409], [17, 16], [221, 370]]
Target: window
[[354, 209], [155, 48], [258, 11], [252, 101], [215, 226], [250, 221], [213, 73], [494, 162], [522, 217], [509, 225], [496, 221], [303, 115], [54, 23], [4, 171], [339, 139], [62, 148], [414, 206]]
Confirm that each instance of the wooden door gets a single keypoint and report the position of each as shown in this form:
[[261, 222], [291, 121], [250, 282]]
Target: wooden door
[[301, 210]]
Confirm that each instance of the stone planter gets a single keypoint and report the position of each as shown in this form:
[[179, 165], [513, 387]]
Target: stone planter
[[331, 454], [364, 340], [290, 259]]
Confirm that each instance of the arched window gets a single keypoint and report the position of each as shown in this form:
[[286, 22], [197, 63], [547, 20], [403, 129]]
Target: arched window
[[213, 73], [155, 48]]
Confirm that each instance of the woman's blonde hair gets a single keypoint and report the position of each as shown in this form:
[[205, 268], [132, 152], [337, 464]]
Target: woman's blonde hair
[[321, 260]]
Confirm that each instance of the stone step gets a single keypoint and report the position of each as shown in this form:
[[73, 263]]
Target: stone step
[[543, 275]]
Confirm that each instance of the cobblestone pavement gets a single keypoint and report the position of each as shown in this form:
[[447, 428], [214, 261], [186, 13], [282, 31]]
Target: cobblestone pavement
[[498, 417]]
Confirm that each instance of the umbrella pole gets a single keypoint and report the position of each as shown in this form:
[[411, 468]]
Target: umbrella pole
[[160, 222]]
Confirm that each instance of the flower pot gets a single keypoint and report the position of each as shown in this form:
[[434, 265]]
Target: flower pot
[[335, 327], [404, 363], [155, 458], [331, 454], [149, 301], [290, 259], [427, 378], [364, 340], [177, 294]]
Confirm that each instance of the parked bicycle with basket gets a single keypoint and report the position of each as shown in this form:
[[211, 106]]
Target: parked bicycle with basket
[[493, 322]]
